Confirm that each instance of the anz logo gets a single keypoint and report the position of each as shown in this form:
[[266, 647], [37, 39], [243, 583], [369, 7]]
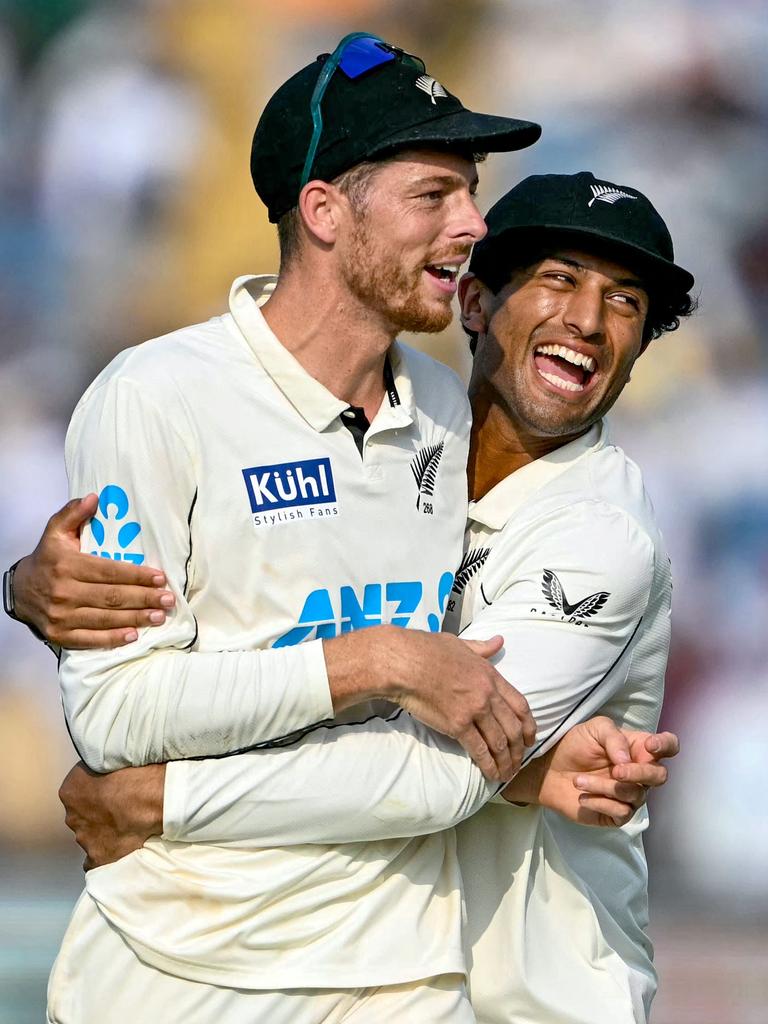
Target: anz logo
[[112, 535], [290, 491], [328, 613]]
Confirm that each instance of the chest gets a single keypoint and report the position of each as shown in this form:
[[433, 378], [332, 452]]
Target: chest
[[318, 537]]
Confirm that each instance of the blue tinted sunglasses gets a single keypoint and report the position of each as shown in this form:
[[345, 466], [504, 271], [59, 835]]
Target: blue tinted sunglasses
[[356, 54]]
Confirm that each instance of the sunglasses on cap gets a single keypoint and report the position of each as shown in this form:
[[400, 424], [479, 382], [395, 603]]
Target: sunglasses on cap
[[356, 54]]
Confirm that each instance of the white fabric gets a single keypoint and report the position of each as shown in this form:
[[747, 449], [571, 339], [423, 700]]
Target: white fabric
[[98, 979], [578, 902], [183, 425]]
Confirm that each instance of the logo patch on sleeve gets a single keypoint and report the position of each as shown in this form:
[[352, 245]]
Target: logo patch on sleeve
[[111, 534], [291, 491], [553, 591]]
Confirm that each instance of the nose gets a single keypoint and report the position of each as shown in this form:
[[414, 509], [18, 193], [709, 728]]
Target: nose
[[469, 223], [583, 312]]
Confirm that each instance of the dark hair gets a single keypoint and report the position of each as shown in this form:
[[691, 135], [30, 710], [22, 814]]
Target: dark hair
[[666, 307]]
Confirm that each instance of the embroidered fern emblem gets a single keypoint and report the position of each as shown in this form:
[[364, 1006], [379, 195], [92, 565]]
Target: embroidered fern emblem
[[471, 563], [424, 468], [431, 87], [608, 194]]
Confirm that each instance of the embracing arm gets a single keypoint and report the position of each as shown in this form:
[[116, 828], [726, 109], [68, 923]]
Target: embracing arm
[[392, 778]]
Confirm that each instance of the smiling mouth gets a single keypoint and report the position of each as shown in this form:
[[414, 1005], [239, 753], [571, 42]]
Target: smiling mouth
[[564, 368], [445, 273]]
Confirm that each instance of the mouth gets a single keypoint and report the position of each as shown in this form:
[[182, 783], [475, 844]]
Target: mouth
[[564, 368], [445, 275]]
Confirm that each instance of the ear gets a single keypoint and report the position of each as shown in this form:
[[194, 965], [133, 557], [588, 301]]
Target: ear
[[473, 299], [319, 208]]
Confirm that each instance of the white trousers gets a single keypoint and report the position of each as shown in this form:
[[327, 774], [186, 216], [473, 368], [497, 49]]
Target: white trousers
[[98, 979]]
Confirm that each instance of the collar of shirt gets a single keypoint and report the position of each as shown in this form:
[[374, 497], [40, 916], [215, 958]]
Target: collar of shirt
[[311, 399], [496, 507]]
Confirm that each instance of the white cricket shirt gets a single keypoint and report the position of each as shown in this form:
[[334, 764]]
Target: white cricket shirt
[[217, 457], [565, 561]]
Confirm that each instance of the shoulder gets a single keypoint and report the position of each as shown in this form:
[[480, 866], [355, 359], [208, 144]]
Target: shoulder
[[164, 367], [437, 390]]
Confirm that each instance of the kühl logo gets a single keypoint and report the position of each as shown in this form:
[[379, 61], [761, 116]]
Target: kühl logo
[[394, 603], [305, 487], [106, 534]]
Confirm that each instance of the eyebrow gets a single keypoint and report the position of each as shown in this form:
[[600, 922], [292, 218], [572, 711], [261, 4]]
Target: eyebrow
[[623, 282], [446, 179]]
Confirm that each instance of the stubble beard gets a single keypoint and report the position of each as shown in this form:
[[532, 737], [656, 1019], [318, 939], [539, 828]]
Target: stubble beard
[[384, 286]]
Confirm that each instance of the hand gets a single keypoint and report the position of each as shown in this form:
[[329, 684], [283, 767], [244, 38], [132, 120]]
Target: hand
[[113, 815], [78, 601], [597, 774], [443, 681]]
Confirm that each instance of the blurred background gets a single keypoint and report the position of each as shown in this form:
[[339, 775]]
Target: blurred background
[[126, 209]]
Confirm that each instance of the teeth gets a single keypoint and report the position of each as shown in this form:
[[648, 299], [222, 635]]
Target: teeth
[[577, 358], [568, 385], [446, 268]]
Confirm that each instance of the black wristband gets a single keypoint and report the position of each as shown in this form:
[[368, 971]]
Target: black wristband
[[9, 604]]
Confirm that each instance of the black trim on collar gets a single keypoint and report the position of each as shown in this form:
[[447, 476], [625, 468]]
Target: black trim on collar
[[389, 384]]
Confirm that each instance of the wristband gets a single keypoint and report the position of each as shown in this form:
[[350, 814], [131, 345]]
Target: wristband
[[9, 604]]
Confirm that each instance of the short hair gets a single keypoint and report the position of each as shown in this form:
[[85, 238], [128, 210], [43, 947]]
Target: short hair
[[355, 184], [667, 305]]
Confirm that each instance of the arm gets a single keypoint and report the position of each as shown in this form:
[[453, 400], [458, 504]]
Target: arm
[[596, 775], [335, 788], [155, 699], [74, 600]]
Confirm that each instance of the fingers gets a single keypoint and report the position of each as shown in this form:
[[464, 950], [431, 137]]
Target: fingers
[[93, 597], [477, 748], [70, 519], [663, 744], [88, 640], [650, 775], [519, 705], [505, 747], [485, 648], [601, 811], [603, 786], [88, 569]]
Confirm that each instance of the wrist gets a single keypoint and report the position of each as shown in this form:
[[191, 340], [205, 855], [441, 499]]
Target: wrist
[[14, 595], [528, 784], [356, 664]]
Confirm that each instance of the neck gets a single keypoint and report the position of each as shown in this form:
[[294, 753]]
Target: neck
[[339, 341], [500, 446]]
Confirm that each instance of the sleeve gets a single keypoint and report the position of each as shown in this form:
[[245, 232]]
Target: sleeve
[[156, 700], [379, 779], [568, 598]]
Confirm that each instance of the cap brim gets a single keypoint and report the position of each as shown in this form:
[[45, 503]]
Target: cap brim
[[647, 263], [481, 133]]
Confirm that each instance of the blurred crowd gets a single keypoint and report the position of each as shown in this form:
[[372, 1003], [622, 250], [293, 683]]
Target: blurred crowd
[[126, 208]]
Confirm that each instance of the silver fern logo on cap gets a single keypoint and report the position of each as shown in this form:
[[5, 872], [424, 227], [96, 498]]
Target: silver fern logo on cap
[[608, 194], [431, 87]]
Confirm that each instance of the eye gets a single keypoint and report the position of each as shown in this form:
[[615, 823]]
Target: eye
[[432, 197], [627, 299], [559, 277]]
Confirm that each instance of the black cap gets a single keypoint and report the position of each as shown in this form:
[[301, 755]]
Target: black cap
[[393, 106], [583, 207]]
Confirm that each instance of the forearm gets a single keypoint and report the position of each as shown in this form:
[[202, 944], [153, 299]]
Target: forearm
[[377, 780], [175, 704]]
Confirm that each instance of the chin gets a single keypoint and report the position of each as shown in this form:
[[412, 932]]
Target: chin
[[420, 318]]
